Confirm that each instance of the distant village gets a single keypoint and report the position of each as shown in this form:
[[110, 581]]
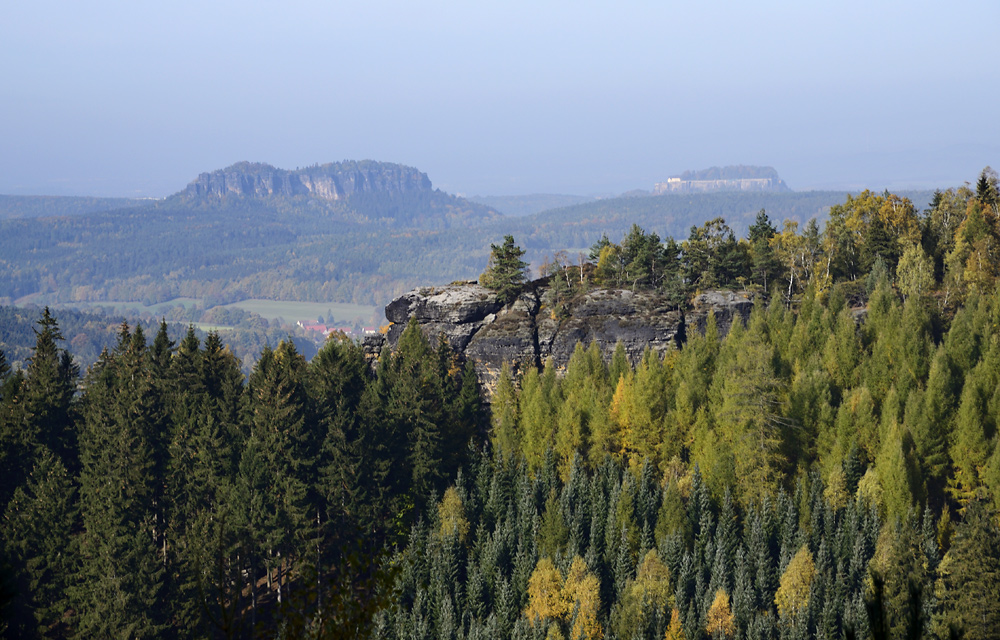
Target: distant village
[[326, 330]]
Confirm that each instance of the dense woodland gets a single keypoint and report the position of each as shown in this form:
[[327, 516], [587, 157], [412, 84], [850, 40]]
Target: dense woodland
[[829, 469], [43, 206], [171, 496]]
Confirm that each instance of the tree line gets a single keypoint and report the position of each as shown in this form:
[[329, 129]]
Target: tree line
[[950, 250]]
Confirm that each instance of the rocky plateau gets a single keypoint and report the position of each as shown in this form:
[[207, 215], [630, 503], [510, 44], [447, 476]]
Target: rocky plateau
[[536, 326], [332, 181]]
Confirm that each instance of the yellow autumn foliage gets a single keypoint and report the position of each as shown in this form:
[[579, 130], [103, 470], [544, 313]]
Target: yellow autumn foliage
[[720, 617], [545, 593], [451, 513], [575, 600], [582, 592], [793, 592], [674, 630]]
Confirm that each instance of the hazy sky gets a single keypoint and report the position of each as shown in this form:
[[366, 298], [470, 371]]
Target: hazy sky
[[137, 98]]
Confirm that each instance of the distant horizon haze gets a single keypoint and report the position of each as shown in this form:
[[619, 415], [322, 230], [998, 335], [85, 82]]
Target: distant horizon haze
[[135, 100], [871, 171]]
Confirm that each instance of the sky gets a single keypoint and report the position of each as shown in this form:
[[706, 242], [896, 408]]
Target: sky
[[501, 98]]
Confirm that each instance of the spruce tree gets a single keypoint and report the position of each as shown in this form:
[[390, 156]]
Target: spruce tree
[[38, 533], [337, 378], [970, 577], [280, 455], [15, 448], [200, 516], [766, 266], [49, 385], [120, 588], [505, 272]]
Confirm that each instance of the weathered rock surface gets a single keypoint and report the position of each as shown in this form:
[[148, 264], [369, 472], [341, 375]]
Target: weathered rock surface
[[333, 181], [529, 330], [725, 305]]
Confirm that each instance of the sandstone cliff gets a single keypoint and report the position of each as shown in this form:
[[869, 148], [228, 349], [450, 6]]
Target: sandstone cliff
[[529, 331], [333, 181]]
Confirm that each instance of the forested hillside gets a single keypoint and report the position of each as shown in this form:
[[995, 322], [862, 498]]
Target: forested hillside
[[331, 233], [45, 206], [306, 249], [828, 469]]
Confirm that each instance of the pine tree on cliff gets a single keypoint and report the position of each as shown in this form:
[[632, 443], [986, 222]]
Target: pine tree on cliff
[[506, 272]]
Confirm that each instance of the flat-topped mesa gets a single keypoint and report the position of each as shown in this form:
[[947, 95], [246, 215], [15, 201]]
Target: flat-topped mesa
[[333, 181], [529, 331], [735, 178]]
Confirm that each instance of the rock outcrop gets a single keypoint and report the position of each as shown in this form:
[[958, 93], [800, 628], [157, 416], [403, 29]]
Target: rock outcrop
[[726, 306], [333, 181], [530, 330]]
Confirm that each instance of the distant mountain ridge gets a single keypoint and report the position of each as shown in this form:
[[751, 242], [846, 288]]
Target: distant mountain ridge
[[331, 181], [530, 204]]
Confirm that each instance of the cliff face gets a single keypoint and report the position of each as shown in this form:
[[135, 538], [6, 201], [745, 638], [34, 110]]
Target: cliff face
[[333, 181], [528, 331]]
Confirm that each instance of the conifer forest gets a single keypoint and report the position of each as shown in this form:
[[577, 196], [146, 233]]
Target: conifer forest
[[828, 469]]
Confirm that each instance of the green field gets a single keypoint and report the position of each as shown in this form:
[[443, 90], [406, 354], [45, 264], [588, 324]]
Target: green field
[[295, 311]]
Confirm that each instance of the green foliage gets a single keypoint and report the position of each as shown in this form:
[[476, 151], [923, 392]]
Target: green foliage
[[714, 257], [553, 533], [505, 272], [39, 522], [121, 578], [970, 577], [45, 206], [205, 500], [766, 265], [505, 414]]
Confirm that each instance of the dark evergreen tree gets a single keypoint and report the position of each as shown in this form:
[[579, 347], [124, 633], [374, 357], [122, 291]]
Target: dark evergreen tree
[[338, 376], [37, 531], [970, 577], [987, 190], [15, 449], [505, 272], [280, 457], [120, 588], [49, 385], [766, 266]]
